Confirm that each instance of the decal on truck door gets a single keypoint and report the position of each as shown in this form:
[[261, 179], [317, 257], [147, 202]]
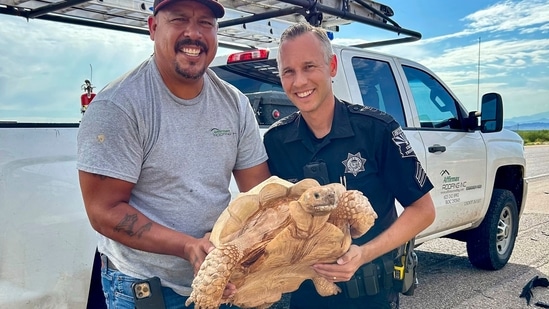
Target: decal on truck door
[[451, 187]]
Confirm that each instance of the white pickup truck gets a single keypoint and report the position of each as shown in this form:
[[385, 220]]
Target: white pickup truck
[[477, 168]]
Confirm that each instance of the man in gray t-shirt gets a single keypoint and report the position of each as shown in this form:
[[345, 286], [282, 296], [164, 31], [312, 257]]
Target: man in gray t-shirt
[[156, 151]]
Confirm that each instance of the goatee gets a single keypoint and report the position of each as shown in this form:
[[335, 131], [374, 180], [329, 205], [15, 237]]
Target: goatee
[[188, 74]]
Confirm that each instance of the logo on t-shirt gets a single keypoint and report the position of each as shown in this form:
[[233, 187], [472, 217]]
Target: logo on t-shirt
[[354, 163], [221, 132]]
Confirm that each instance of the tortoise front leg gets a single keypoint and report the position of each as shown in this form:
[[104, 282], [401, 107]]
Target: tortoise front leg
[[355, 212], [213, 276]]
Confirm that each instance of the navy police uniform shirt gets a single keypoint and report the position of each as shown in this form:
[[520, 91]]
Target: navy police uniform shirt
[[366, 149]]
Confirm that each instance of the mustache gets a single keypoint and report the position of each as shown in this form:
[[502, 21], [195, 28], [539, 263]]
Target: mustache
[[179, 45]]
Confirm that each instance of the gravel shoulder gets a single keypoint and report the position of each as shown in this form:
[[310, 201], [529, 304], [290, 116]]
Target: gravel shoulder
[[448, 280]]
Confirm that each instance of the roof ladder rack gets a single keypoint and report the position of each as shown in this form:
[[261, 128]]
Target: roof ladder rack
[[247, 23]]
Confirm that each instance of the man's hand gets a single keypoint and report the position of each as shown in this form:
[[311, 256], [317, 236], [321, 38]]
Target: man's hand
[[344, 268], [196, 250], [195, 253]]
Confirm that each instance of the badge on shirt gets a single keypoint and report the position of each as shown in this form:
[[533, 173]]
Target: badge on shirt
[[354, 163]]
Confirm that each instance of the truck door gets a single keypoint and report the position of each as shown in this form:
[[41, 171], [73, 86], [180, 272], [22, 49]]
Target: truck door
[[455, 156], [371, 80]]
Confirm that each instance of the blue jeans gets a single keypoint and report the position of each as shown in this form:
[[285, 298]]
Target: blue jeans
[[117, 288]]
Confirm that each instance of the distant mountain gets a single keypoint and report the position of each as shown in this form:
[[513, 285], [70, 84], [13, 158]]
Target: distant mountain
[[534, 126], [538, 121]]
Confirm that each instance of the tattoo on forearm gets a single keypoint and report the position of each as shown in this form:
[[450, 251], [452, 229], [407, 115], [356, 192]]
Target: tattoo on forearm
[[143, 229], [127, 226]]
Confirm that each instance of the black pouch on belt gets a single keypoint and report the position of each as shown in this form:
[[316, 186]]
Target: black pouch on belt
[[363, 282], [370, 278]]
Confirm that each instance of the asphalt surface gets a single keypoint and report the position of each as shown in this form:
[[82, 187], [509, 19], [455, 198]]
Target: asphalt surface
[[447, 279]]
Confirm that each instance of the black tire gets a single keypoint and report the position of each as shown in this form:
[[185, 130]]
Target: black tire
[[490, 245]]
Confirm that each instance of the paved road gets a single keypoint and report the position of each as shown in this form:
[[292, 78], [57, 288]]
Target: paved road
[[537, 161], [449, 281]]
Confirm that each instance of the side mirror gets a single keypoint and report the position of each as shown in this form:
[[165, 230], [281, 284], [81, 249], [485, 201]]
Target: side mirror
[[491, 117]]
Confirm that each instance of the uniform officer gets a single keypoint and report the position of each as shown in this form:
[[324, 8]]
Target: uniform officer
[[365, 149]]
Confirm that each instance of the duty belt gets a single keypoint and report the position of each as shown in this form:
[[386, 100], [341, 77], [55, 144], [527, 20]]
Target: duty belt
[[371, 278]]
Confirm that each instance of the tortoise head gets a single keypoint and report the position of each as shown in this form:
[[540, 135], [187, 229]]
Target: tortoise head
[[319, 201]]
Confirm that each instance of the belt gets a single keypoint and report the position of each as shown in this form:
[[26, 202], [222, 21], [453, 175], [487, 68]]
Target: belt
[[371, 278], [106, 261]]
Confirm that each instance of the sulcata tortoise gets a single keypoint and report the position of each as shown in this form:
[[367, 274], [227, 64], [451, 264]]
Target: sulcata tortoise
[[267, 239]]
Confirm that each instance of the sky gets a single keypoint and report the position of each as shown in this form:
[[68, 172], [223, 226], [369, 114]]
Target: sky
[[44, 64]]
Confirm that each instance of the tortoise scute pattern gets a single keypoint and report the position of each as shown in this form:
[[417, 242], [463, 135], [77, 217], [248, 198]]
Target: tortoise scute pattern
[[268, 238], [213, 277], [359, 216]]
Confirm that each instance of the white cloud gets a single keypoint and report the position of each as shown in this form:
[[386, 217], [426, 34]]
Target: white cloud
[[511, 62], [48, 62], [43, 61], [514, 55], [509, 16]]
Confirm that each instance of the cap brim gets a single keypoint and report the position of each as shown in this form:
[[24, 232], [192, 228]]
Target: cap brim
[[217, 9]]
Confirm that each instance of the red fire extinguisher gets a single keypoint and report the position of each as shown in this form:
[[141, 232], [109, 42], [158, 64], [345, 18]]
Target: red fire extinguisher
[[87, 97]]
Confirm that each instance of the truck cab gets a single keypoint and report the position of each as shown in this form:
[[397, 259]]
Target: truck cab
[[462, 151]]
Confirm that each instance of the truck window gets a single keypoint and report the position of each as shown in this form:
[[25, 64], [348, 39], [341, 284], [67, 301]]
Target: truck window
[[260, 82], [251, 76], [435, 106], [378, 87]]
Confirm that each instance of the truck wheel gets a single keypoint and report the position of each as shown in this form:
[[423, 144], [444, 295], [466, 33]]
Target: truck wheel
[[490, 245]]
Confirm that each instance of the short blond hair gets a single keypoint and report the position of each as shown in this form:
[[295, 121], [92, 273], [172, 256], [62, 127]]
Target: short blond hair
[[302, 28]]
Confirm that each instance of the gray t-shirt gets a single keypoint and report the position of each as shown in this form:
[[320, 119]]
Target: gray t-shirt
[[179, 153]]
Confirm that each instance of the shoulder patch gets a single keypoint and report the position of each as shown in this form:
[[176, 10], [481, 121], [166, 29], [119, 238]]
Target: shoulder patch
[[370, 111], [400, 140]]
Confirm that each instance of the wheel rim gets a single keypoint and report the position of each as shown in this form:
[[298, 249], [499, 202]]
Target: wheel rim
[[505, 228]]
